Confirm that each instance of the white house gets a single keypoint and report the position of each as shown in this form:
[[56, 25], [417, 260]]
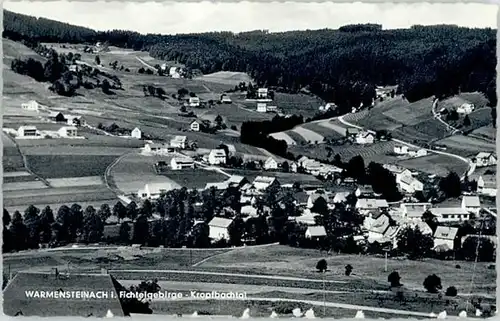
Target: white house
[[329, 106], [450, 214], [398, 171], [155, 148], [417, 153], [367, 204], [487, 186], [225, 99], [410, 184], [444, 236], [270, 164], [178, 142], [365, 138], [264, 182], [194, 126], [471, 204], [401, 150], [261, 107], [262, 93], [178, 163], [74, 68], [217, 156], [154, 190], [174, 72], [31, 105], [249, 210], [271, 109], [75, 120], [340, 197], [465, 108], [293, 167], [136, 133], [485, 159], [194, 102], [414, 210], [315, 232], [219, 228], [27, 131], [68, 131], [376, 227]]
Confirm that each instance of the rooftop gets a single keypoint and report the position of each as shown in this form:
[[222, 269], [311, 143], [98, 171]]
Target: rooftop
[[445, 232], [220, 222]]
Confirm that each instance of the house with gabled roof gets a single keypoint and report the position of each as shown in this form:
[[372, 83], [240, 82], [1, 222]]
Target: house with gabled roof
[[368, 204], [444, 237], [414, 210], [217, 157], [178, 163], [487, 185], [39, 284], [484, 159], [27, 131], [154, 190], [136, 133], [194, 126], [262, 93], [410, 184], [270, 164], [352, 132], [178, 142], [471, 203], [219, 228], [365, 138], [31, 105], [315, 232], [450, 214], [264, 182]]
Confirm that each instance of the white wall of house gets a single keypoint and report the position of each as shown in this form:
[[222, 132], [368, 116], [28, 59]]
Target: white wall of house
[[218, 233], [136, 133]]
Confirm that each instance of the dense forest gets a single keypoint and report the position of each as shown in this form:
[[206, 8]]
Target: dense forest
[[342, 66]]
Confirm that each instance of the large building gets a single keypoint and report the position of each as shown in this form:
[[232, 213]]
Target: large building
[[154, 190], [178, 163], [27, 132]]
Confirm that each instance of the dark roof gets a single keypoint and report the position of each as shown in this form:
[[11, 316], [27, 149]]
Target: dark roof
[[16, 302]]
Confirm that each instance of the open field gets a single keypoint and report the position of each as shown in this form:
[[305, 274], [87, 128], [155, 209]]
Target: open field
[[486, 132], [466, 145], [15, 50], [194, 178], [227, 78], [435, 164], [284, 136], [377, 152], [76, 181], [60, 166], [297, 104], [12, 159], [327, 129], [308, 135], [22, 186]]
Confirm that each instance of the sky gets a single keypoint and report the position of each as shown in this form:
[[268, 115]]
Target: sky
[[183, 17]]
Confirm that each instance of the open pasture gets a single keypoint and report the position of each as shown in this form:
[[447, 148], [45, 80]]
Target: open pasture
[[15, 50], [436, 164], [226, 78], [466, 145], [12, 159], [308, 135], [61, 166], [411, 114], [488, 133], [76, 181], [284, 136], [327, 129], [422, 133], [476, 98], [377, 152], [22, 186], [297, 104], [194, 178]]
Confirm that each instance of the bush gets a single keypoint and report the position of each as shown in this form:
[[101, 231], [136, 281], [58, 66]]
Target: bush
[[432, 283], [451, 291], [233, 127], [322, 266], [348, 269], [394, 279], [458, 266]]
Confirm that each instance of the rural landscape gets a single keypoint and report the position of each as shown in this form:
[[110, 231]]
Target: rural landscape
[[324, 173]]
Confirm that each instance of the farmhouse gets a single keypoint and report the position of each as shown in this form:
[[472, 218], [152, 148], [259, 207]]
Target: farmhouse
[[31, 105], [155, 148], [340, 197], [16, 302], [271, 109], [487, 186], [262, 93], [178, 163], [225, 99], [270, 164], [261, 107], [315, 232], [237, 181], [249, 210], [194, 126], [174, 72], [368, 204], [154, 190], [376, 227], [136, 133], [417, 153], [220, 186], [264, 182], [417, 224], [410, 184], [68, 131], [178, 142], [217, 156], [401, 150], [194, 102], [219, 228], [450, 214], [365, 138], [398, 171], [414, 210], [27, 131], [444, 237], [485, 159], [293, 167], [471, 204], [75, 120], [58, 117], [74, 68], [352, 132], [465, 108]]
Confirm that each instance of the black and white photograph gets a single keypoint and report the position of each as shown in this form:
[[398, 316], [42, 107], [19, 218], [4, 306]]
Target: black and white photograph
[[249, 160]]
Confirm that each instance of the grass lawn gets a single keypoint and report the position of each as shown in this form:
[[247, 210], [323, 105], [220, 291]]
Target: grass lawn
[[194, 178], [57, 166], [324, 131], [486, 132], [297, 104], [466, 145], [435, 164]]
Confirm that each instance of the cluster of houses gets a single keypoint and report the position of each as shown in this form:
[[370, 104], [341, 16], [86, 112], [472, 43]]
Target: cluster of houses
[[327, 107], [315, 167], [177, 142], [359, 136], [466, 108], [31, 132], [405, 179], [403, 150], [174, 72]]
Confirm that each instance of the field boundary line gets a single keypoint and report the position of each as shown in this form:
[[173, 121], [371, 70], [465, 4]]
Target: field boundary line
[[107, 173], [231, 251]]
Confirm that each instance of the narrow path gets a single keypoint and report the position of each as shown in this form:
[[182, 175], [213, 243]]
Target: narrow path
[[145, 63], [438, 117], [231, 251], [107, 173]]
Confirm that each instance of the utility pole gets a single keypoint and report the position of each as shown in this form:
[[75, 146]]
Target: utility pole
[[385, 266], [324, 295]]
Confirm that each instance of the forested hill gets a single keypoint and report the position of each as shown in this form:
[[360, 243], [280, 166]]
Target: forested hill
[[339, 65]]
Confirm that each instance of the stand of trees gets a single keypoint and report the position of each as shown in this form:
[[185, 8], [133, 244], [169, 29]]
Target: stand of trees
[[342, 65]]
